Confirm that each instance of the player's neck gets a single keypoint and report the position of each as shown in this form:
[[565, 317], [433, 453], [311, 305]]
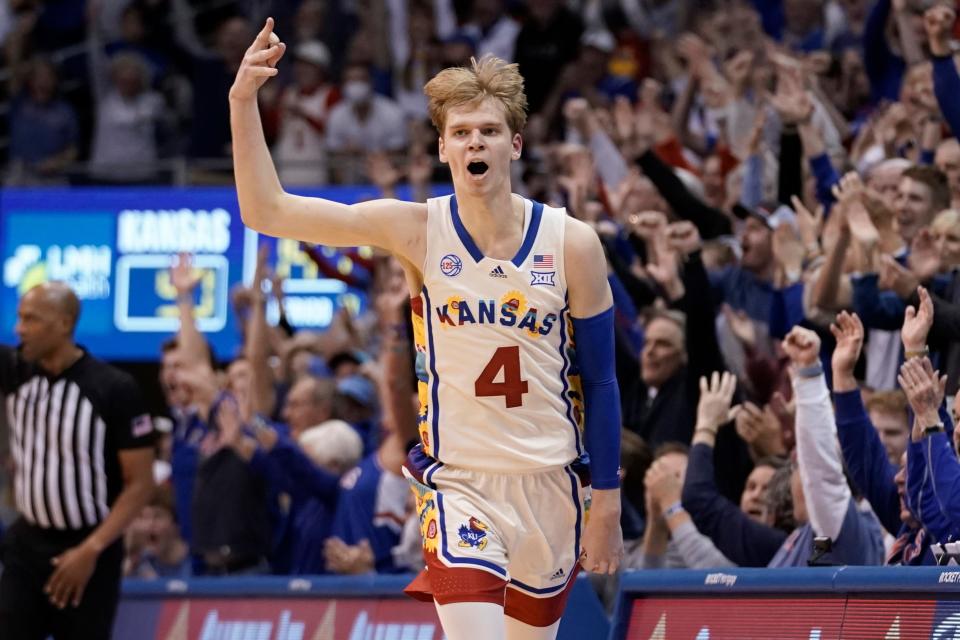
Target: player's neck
[[493, 221]]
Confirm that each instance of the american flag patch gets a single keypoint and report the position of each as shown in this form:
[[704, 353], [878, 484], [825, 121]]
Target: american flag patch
[[543, 261], [142, 425]]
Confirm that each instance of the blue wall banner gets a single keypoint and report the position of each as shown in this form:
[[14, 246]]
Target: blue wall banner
[[114, 246]]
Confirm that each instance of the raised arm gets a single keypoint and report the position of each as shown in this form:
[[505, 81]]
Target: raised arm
[[910, 44], [925, 391], [185, 279], [863, 451], [267, 208], [938, 21], [742, 540], [261, 398], [825, 489]]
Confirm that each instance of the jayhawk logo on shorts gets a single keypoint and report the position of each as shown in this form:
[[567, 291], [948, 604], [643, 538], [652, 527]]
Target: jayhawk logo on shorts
[[473, 534]]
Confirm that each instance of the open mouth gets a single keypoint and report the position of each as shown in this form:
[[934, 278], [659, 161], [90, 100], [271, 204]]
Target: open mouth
[[477, 167]]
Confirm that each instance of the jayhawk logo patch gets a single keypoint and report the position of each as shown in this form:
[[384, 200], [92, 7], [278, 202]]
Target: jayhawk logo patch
[[473, 534]]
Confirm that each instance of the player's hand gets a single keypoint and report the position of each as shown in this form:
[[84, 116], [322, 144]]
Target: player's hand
[[69, 580], [602, 548], [259, 63]]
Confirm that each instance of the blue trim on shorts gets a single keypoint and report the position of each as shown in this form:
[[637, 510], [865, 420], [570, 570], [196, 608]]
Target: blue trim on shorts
[[418, 462], [434, 378], [546, 590], [446, 554], [576, 503], [563, 378], [428, 476]]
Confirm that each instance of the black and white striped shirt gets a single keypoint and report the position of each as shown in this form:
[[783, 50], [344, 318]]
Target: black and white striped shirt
[[65, 435]]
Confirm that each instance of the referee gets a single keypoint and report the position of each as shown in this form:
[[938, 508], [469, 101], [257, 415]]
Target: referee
[[81, 445]]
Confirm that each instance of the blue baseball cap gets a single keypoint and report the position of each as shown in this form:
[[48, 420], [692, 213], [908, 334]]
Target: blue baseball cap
[[360, 389]]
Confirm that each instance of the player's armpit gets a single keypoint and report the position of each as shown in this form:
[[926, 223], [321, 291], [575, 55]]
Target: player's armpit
[[585, 266]]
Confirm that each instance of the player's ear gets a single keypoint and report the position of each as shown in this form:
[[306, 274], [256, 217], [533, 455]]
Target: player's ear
[[441, 151], [517, 146]]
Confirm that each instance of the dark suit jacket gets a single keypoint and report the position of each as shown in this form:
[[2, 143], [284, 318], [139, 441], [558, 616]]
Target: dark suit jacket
[[672, 415]]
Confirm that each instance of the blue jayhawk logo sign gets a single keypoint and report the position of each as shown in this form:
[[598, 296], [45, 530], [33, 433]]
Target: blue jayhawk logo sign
[[473, 534]]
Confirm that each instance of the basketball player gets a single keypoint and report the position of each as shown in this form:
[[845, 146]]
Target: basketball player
[[501, 288]]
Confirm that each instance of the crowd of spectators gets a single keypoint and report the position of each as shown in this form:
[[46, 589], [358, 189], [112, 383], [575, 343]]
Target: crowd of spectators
[[776, 184]]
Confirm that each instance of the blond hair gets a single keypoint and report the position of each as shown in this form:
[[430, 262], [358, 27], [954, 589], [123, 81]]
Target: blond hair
[[889, 402], [491, 77]]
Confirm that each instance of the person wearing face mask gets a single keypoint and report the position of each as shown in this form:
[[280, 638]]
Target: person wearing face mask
[[363, 122]]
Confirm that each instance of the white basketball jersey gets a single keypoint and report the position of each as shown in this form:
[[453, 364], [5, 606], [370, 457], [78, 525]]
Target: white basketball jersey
[[499, 390]]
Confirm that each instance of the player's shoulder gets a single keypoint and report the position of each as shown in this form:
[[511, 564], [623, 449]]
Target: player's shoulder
[[580, 239]]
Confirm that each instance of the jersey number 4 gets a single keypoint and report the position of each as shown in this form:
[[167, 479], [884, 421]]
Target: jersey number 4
[[512, 388]]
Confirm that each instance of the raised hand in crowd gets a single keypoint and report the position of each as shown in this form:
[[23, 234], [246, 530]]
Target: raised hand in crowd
[[741, 325], [848, 332], [184, 277], [683, 237], [761, 430], [938, 22], [925, 389], [809, 224], [789, 252], [897, 278], [925, 258], [647, 225], [791, 99], [916, 325], [663, 266], [802, 346], [714, 410]]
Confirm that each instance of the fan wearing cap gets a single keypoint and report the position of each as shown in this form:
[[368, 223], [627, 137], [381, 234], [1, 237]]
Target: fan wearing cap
[[300, 113], [748, 286], [356, 402], [588, 75]]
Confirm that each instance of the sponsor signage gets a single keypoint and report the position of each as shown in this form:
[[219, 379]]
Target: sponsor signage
[[115, 246], [278, 619]]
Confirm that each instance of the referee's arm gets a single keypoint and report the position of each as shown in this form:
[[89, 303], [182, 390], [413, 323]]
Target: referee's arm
[[135, 454]]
